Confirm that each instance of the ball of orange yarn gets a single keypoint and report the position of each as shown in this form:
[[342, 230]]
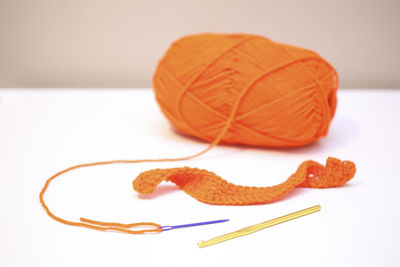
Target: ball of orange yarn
[[279, 95]]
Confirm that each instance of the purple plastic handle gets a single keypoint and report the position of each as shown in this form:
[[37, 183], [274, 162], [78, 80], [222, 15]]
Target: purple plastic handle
[[166, 228]]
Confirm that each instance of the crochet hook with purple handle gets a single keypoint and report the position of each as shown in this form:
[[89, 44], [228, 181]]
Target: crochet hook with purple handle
[[167, 227]]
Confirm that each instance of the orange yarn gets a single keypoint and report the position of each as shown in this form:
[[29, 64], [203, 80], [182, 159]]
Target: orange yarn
[[92, 224], [239, 89], [274, 94], [212, 189]]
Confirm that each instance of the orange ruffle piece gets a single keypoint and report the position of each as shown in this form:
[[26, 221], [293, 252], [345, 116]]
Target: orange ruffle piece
[[210, 188]]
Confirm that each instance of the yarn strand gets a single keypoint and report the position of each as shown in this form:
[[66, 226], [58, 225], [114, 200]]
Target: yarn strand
[[104, 226]]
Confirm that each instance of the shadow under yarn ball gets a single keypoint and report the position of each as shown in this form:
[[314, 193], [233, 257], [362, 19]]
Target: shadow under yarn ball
[[276, 95]]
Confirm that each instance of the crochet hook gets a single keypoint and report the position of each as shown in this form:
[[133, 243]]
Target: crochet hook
[[254, 228], [168, 227]]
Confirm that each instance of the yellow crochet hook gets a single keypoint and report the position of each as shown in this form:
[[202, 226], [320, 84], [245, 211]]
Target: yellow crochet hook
[[257, 227]]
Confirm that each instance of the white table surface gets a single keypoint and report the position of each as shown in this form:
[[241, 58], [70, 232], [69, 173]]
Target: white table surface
[[43, 131]]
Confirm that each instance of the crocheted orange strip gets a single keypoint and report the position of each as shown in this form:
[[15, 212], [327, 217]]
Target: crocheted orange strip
[[208, 187]]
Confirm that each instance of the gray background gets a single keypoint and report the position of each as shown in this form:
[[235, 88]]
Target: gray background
[[116, 43]]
